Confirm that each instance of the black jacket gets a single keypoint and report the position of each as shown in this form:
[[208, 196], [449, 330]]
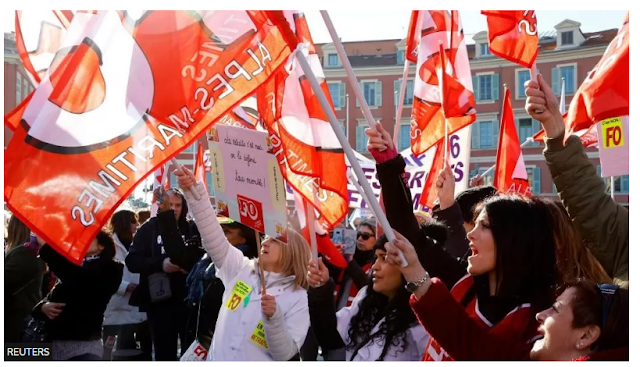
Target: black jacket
[[146, 254], [22, 279], [86, 290]]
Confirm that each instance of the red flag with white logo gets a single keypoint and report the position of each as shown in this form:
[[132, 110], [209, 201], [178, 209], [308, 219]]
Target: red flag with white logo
[[124, 94], [310, 156], [429, 110], [513, 35], [511, 173]]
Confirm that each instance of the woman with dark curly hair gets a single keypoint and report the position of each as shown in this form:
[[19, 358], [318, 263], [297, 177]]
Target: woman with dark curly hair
[[379, 325]]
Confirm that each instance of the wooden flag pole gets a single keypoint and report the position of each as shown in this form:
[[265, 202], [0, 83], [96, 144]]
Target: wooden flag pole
[[355, 165], [262, 280]]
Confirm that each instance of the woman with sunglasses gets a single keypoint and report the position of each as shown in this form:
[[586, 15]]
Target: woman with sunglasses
[[511, 271], [351, 279], [587, 322], [254, 323]]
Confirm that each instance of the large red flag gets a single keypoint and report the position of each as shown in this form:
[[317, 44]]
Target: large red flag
[[125, 93], [429, 111], [605, 91], [309, 154], [511, 173], [513, 35]]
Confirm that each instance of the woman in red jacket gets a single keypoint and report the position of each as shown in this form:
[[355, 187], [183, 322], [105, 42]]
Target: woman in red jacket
[[511, 272], [588, 321]]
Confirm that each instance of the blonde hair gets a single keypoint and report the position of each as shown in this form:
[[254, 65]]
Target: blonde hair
[[294, 257]]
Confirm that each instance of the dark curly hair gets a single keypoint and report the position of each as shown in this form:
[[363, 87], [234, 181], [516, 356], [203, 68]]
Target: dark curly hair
[[398, 315]]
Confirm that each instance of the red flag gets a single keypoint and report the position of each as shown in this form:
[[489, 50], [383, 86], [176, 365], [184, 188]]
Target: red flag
[[39, 35], [511, 173], [589, 137], [413, 37], [429, 111], [429, 193], [198, 168], [310, 156], [130, 91], [605, 92], [513, 35]]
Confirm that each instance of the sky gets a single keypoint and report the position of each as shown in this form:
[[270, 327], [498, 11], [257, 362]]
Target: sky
[[392, 24]]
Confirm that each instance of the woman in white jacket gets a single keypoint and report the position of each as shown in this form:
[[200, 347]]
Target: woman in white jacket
[[379, 324], [122, 320], [254, 325]]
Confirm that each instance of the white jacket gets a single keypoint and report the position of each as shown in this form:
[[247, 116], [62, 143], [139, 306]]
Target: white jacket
[[119, 312], [417, 337], [238, 336]]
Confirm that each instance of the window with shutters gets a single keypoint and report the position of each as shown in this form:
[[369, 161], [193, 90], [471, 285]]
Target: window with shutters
[[621, 184], [485, 87], [569, 73], [533, 174], [567, 38], [404, 141], [486, 134], [18, 88], [408, 93], [400, 57], [523, 76], [372, 91], [527, 127], [333, 59], [337, 94], [361, 138], [484, 49]]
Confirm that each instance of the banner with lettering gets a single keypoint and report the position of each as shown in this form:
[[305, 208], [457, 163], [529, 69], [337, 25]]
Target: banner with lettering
[[417, 169], [247, 182], [613, 135]]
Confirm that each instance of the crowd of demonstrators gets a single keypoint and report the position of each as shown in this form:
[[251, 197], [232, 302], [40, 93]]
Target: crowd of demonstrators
[[254, 323], [23, 272], [163, 251], [489, 276], [73, 311], [123, 322]]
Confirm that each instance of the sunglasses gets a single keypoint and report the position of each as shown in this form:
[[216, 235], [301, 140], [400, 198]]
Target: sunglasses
[[365, 236]]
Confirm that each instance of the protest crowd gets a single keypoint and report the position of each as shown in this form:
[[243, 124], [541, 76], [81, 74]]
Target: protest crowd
[[486, 274]]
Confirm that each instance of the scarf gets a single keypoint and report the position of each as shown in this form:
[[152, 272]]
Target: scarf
[[203, 271]]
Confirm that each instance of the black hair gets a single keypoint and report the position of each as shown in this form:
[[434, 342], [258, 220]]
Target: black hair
[[109, 246], [468, 199], [523, 232], [399, 316]]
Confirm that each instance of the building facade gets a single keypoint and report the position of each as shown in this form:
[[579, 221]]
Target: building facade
[[565, 52]]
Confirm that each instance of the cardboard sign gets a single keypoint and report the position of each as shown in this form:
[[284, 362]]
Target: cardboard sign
[[247, 182], [613, 135]]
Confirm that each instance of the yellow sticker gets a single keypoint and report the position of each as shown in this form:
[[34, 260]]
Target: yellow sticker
[[240, 291], [612, 133], [259, 337]]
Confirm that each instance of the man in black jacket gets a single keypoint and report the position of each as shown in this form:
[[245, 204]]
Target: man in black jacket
[[166, 245]]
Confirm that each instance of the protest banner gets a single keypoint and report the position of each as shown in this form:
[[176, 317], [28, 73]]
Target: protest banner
[[248, 185], [614, 138]]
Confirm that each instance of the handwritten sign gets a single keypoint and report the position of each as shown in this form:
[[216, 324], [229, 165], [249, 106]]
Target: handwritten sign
[[248, 185], [613, 135]]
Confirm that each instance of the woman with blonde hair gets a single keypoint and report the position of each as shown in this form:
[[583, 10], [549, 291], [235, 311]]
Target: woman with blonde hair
[[254, 324]]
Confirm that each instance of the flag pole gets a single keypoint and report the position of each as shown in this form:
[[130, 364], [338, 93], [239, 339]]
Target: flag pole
[[526, 142], [563, 106], [351, 76], [262, 280], [443, 66], [311, 223], [347, 119], [400, 108], [193, 190], [613, 186], [355, 165]]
